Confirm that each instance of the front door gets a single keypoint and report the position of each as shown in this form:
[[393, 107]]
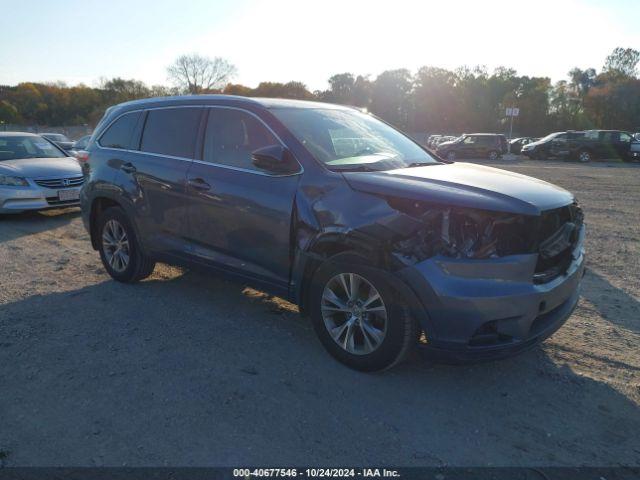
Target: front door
[[239, 215], [622, 144], [468, 147]]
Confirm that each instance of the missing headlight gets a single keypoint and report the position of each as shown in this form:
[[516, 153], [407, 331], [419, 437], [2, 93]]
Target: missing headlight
[[468, 233]]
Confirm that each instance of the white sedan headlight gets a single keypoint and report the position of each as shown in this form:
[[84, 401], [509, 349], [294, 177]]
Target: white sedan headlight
[[13, 181]]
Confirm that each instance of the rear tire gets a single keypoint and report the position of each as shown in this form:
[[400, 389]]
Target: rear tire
[[119, 248], [378, 340]]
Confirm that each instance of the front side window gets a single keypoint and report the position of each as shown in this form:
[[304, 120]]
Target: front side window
[[120, 133], [469, 140], [625, 137], [351, 140], [171, 131], [231, 137], [16, 147]]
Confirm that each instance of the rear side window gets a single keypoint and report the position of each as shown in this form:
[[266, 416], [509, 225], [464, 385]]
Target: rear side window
[[120, 133], [171, 131]]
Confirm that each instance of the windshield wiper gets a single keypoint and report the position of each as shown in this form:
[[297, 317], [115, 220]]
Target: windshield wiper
[[356, 168], [421, 164]]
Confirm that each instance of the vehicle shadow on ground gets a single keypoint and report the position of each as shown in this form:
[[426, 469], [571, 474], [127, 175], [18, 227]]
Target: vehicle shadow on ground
[[613, 304], [28, 223], [191, 370]]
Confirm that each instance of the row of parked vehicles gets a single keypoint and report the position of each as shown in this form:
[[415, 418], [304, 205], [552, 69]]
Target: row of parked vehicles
[[583, 146], [66, 143]]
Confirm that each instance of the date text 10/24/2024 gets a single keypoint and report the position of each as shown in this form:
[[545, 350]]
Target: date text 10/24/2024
[[316, 472]]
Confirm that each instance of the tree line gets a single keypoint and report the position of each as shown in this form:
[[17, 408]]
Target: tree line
[[431, 100]]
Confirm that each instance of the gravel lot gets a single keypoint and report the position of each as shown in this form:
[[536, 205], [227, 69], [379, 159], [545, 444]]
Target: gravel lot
[[185, 369]]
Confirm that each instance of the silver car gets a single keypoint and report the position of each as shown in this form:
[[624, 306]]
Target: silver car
[[35, 174]]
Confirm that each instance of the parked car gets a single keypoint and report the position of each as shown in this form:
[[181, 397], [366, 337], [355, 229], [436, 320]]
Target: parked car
[[79, 146], [474, 145], [431, 142], [591, 144], [36, 174], [634, 151], [445, 138], [59, 139], [373, 238], [542, 149], [81, 143], [518, 143]]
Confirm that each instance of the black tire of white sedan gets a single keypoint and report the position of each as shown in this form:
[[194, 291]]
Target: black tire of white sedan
[[119, 249], [358, 316]]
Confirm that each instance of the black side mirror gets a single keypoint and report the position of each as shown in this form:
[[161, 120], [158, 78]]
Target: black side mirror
[[275, 159]]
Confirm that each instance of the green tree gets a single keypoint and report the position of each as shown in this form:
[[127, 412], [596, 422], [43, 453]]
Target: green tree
[[390, 96], [622, 62]]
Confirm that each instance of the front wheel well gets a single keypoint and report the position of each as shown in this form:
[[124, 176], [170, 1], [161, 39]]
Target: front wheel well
[[326, 251], [99, 205]]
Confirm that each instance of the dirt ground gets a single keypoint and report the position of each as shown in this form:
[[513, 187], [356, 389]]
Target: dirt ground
[[185, 369]]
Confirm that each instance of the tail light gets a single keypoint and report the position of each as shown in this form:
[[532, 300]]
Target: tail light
[[82, 156]]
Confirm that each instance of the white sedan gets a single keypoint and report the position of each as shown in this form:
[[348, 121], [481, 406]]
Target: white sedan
[[36, 174]]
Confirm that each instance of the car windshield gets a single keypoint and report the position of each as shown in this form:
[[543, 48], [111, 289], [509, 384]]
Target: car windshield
[[549, 137], [351, 140], [19, 147]]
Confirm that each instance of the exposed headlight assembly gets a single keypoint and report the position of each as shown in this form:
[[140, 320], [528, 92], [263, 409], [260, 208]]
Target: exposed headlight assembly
[[469, 233], [13, 181]]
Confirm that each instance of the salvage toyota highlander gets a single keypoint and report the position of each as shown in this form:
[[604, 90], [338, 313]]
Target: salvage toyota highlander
[[382, 245]]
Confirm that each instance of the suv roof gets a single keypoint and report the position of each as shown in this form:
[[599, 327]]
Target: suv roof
[[236, 99]]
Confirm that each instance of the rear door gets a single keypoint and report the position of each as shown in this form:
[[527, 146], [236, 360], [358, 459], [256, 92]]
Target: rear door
[[240, 216], [157, 175]]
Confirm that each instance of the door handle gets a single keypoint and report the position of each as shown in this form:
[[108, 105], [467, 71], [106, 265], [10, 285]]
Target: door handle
[[198, 184], [128, 167]]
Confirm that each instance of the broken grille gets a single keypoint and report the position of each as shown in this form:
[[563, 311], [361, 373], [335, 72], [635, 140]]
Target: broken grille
[[559, 232]]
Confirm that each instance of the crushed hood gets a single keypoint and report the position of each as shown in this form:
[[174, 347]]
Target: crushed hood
[[464, 185], [41, 167]]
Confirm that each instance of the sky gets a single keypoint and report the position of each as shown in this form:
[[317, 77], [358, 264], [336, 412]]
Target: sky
[[78, 41]]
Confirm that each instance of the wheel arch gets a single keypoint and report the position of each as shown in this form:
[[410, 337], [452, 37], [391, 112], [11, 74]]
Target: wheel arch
[[368, 254], [99, 204]]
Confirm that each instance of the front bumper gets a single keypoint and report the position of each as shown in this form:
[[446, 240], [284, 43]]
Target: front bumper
[[32, 197], [487, 309]]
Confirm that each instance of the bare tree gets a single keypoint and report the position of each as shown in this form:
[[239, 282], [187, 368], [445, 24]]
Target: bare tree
[[195, 73]]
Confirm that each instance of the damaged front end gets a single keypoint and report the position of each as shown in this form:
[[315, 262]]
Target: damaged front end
[[464, 233]]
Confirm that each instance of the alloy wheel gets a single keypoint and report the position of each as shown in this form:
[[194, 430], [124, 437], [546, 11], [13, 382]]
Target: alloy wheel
[[354, 313], [584, 156], [115, 245]]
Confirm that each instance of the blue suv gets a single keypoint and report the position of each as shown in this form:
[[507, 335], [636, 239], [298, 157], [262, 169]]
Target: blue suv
[[381, 244]]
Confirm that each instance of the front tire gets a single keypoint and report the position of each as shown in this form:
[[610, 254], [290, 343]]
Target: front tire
[[451, 156], [120, 251], [493, 155], [358, 316], [584, 156]]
